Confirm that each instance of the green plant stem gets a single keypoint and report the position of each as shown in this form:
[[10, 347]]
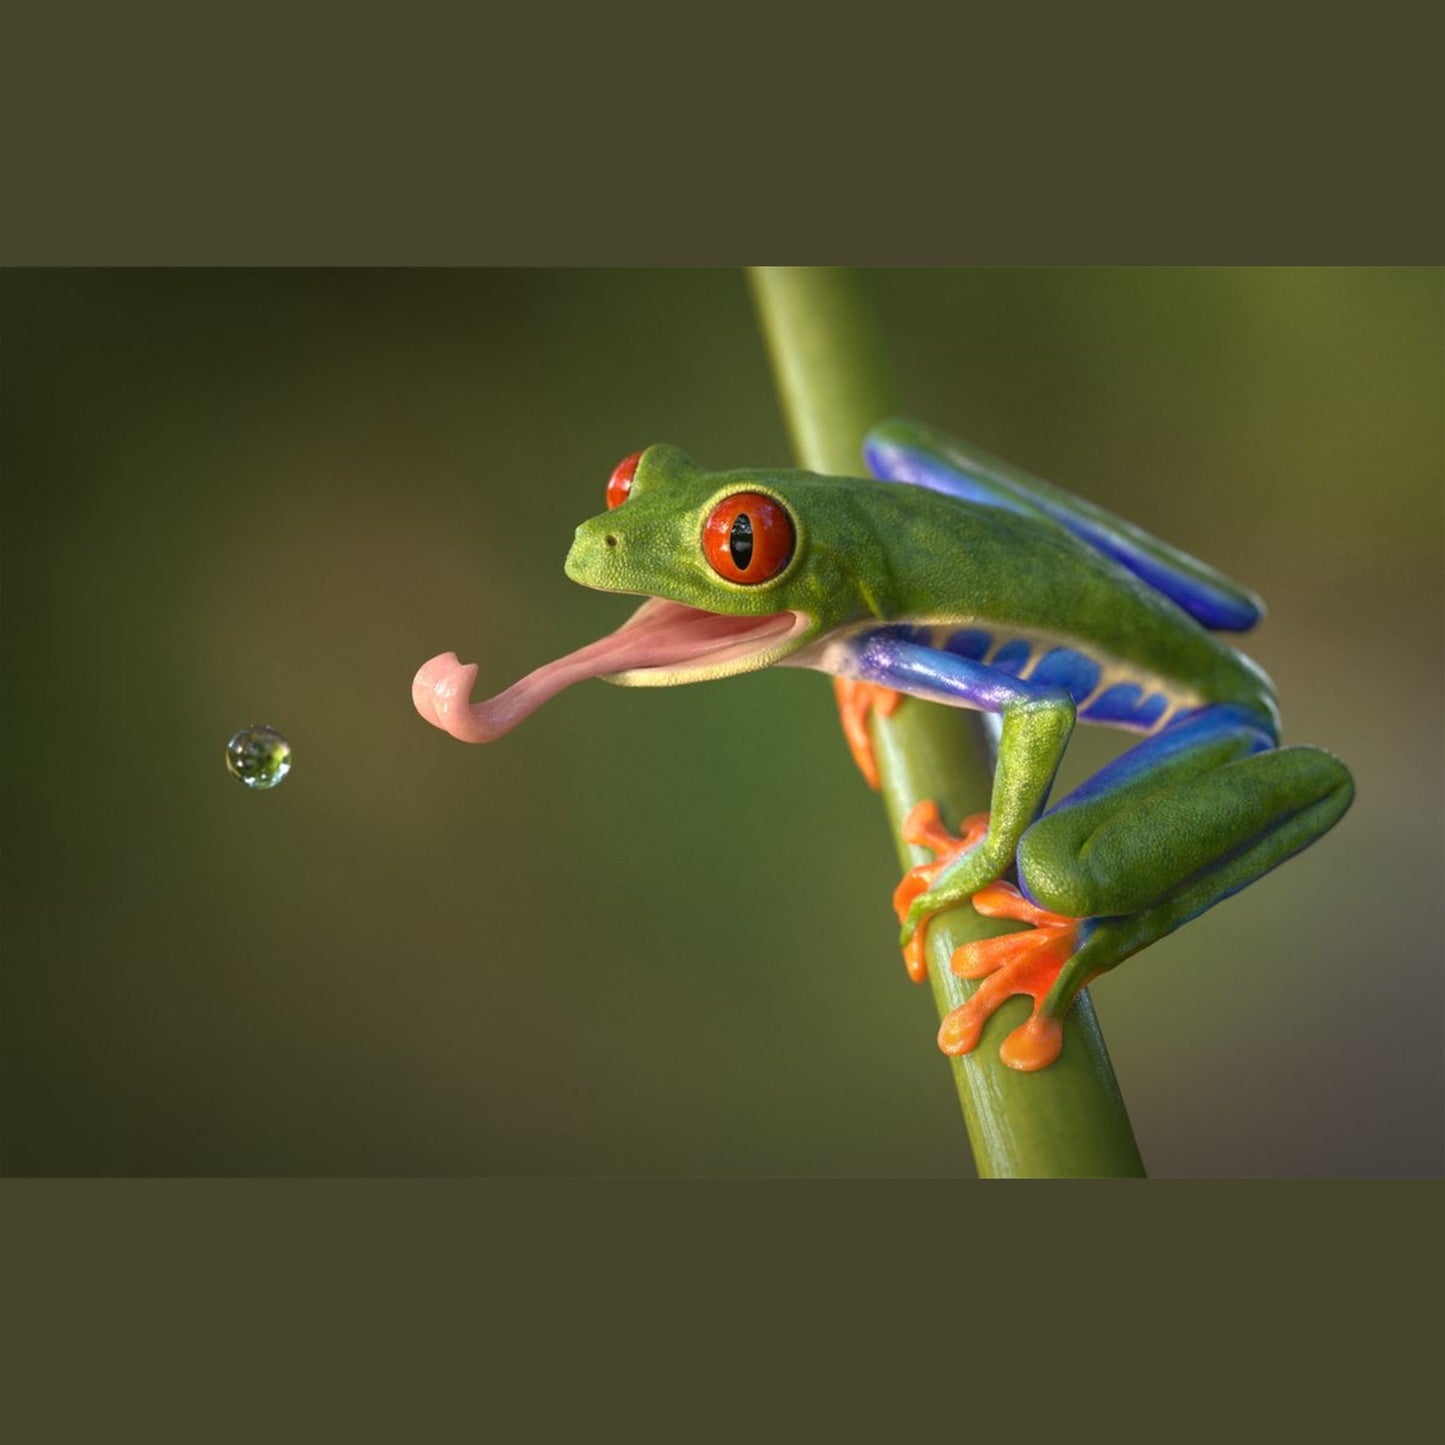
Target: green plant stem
[[1065, 1121]]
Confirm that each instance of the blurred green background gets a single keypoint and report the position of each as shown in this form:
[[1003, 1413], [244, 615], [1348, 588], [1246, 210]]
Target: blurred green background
[[649, 932]]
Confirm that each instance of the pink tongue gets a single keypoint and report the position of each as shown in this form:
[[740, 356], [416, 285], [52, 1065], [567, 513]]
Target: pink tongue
[[658, 634]]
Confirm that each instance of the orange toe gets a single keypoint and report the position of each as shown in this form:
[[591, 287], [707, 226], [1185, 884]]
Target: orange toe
[[924, 829], [855, 701], [1034, 1044], [1017, 963]]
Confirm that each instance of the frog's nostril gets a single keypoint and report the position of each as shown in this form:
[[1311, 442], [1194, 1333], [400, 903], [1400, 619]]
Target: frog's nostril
[[609, 540]]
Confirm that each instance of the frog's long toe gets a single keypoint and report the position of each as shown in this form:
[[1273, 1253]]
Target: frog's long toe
[[1017, 963], [855, 701]]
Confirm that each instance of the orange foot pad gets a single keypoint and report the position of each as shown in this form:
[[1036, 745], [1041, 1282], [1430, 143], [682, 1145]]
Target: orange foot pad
[[855, 701], [1027, 963], [924, 829]]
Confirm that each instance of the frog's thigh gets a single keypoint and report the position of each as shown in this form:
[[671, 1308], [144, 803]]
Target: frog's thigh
[[1173, 808]]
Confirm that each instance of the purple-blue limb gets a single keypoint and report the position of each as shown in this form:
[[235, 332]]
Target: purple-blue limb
[[892, 658], [1036, 723]]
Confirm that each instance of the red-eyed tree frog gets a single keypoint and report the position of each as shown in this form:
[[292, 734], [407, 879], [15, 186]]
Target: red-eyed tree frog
[[955, 577]]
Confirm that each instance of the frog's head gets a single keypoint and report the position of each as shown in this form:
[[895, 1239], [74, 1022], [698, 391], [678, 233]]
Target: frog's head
[[740, 569]]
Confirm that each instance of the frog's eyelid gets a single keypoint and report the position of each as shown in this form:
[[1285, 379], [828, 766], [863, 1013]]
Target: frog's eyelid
[[619, 484]]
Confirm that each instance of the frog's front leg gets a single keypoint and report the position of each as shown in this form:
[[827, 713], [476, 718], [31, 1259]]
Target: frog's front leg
[[1034, 735], [1036, 723]]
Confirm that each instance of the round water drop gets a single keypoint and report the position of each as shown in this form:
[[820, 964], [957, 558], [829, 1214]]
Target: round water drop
[[259, 756]]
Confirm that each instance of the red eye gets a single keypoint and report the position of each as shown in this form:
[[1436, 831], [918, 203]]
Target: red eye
[[748, 538], [619, 484]]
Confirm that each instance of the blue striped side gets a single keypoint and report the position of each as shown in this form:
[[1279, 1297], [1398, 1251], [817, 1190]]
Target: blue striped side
[[1012, 657], [1128, 704], [1064, 667], [969, 643], [912, 632]]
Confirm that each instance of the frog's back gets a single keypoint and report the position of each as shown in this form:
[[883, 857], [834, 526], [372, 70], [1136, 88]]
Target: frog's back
[[905, 451], [1026, 596]]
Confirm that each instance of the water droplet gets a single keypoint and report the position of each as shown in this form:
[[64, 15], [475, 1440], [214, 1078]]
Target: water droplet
[[259, 756]]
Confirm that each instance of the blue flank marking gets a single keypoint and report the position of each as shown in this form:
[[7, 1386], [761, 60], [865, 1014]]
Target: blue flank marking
[[970, 643], [910, 632], [1012, 657], [1125, 703], [1065, 668], [1154, 708]]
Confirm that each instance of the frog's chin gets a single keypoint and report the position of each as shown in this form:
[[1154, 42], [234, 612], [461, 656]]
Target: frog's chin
[[660, 644]]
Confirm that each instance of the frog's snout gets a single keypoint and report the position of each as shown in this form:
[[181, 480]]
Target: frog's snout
[[592, 542]]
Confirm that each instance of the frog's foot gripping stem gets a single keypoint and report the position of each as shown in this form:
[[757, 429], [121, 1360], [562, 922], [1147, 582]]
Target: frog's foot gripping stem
[[855, 701], [1017, 963], [924, 829]]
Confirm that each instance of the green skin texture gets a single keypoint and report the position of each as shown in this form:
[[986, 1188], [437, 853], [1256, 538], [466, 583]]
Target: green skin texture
[[1143, 857]]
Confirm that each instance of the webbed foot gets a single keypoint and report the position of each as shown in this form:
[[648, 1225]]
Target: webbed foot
[[1017, 963], [924, 829]]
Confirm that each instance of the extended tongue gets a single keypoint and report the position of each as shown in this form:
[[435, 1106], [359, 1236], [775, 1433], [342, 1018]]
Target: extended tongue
[[659, 634]]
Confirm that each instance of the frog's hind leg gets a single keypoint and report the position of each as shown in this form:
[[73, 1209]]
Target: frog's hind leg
[[1176, 824]]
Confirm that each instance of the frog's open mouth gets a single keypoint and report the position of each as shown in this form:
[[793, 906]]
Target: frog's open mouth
[[662, 642]]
